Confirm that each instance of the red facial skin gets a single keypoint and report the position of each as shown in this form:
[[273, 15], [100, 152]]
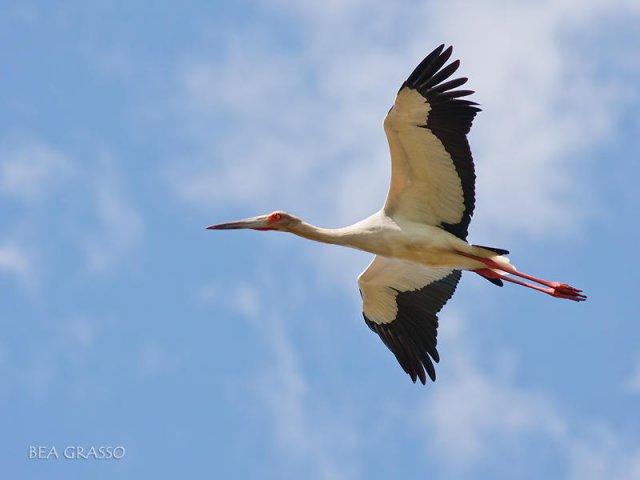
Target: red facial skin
[[273, 218]]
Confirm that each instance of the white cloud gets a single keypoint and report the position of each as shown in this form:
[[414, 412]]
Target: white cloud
[[305, 128], [314, 444], [302, 130], [473, 418], [540, 113], [15, 261], [306, 441], [241, 297], [601, 455], [118, 224], [35, 173], [632, 384], [473, 413], [29, 168], [478, 417], [59, 362], [477, 414], [261, 134]]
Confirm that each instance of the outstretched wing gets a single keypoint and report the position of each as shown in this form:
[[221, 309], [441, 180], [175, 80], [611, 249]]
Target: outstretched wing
[[400, 302], [432, 173]]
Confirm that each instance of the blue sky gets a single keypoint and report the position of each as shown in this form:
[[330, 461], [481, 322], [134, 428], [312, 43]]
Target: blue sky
[[127, 128]]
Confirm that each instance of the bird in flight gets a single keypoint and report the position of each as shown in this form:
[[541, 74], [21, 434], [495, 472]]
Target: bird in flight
[[419, 236]]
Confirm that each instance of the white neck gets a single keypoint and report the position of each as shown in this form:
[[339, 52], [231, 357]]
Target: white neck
[[346, 236]]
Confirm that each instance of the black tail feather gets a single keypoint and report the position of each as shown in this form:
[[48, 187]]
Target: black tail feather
[[495, 281], [487, 274], [499, 251]]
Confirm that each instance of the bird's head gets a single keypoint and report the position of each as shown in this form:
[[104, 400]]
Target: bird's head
[[278, 220]]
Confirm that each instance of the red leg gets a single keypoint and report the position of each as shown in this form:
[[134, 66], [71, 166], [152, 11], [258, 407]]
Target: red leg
[[555, 289], [569, 293]]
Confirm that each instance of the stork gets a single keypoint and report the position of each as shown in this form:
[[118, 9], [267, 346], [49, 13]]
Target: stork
[[419, 236]]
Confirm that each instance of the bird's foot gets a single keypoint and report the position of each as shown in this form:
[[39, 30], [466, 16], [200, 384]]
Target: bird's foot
[[562, 290]]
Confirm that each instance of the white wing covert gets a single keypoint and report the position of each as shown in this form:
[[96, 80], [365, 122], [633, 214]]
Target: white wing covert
[[432, 172]]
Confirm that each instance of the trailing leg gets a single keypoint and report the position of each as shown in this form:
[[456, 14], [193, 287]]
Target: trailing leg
[[555, 289]]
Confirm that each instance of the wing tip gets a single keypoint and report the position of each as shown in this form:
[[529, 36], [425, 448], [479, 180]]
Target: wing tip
[[430, 79], [420, 375]]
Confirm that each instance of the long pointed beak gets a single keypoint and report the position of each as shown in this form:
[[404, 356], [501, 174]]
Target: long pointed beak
[[253, 222]]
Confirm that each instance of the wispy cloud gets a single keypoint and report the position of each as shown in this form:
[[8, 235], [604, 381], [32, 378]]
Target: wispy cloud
[[322, 443], [118, 225], [38, 176], [37, 370], [302, 130], [242, 297], [600, 454], [539, 114], [29, 168], [474, 412], [304, 126], [269, 159], [315, 445], [15, 261], [478, 418], [632, 384]]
